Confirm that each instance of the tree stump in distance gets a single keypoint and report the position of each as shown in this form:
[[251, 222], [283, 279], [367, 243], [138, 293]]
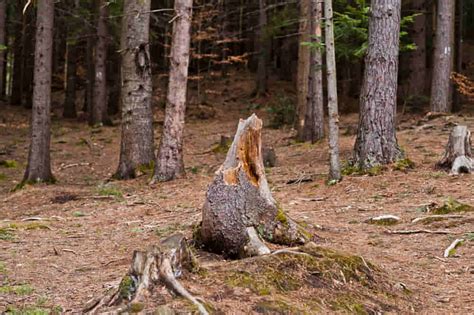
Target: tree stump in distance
[[239, 207], [458, 155]]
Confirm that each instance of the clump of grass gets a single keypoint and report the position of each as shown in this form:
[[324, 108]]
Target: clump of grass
[[108, 190], [403, 164], [3, 268], [6, 233], [9, 163], [21, 289], [349, 168], [452, 206]]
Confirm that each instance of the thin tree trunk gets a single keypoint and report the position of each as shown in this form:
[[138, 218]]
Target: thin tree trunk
[[313, 129], [3, 15], [137, 117], [334, 165], [89, 75], [17, 73], [70, 98], [170, 163], [39, 164], [459, 50], [98, 114], [262, 47], [28, 59], [441, 87], [417, 64], [303, 67], [376, 141]]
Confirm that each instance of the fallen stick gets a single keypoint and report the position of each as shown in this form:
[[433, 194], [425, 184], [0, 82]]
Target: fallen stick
[[405, 232], [437, 216], [63, 167], [451, 250]]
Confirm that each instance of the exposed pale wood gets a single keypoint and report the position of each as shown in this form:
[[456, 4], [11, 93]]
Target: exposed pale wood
[[458, 154]]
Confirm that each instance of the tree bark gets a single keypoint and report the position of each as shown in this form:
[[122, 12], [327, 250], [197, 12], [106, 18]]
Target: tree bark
[[262, 48], [39, 165], [98, 114], [376, 141], [313, 125], [441, 86], [459, 30], [334, 164], [169, 164], [239, 207], [458, 155], [70, 98], [417, 64], [303, 71], [137, 117], [3, 15], [17, 73]]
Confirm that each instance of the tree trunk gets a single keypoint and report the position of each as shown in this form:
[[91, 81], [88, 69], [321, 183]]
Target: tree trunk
[[17, 73], [417, 64], [70, 98], [459, 50], [39, 165], [89, 88], [303, 67], [376, 141], [458, 155], [28, 58], [334, 165], [98, 114], [313, 124], [441, 87], [169, 164], [239, 207], [137, 147], [3, 15], [262, 48]]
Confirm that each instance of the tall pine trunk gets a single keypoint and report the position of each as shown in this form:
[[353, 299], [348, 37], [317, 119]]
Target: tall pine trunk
[[334, 164], [3, 15], [303, 66], [169, 164], [417, 64], [39, 164], [137, 118], [441, 87], [376, 141], [262, 48], [17, 73], [98, 114], [313, 128], [70, 98]]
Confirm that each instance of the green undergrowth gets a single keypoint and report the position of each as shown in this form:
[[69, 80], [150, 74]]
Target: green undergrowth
[[7, 232], [403, 165], [349, 168], [451, 205], [109, 190], [9, 163]]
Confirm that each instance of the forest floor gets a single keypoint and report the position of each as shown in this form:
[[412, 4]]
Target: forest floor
[[62, 244]]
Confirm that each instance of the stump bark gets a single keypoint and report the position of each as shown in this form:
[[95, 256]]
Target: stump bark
[[458, 155], [159, 265], [239, 210]]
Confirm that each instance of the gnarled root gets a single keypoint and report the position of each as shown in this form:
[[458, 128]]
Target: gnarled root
[[162, 264]]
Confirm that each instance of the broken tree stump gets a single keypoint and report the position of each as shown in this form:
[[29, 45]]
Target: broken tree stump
[[239, 209], [458, 155], [159, 265]]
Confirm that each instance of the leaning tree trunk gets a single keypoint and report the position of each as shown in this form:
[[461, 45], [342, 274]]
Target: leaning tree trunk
[[3, 15], [334, 165], [239, 207], [303, 71], [137, 117], [169, 164], [443, 57], [417, 65], [98, 114], [262, 45], [376, 141], [458, 155], [39, 164]]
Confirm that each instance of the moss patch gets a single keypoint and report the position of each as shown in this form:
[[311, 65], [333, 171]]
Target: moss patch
[[349, 304], [9, 163], [126, 287], [452, 206], [350, 169], [22, 289], [403, 164]]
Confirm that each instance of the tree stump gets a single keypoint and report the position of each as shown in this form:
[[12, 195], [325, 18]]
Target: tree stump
[[159, 265], [458, 155], [239, 209]]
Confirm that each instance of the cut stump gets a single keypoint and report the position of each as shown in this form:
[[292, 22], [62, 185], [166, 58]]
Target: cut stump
[[159, 265], [458, 155], [239, 207]]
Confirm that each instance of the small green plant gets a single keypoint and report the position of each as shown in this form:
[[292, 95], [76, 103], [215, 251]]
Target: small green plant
[[9, 163], [403, 165], [349, 168], [451, 205], [78, 214], [21, 289], [6, 233], [282, 111], [108, 190]]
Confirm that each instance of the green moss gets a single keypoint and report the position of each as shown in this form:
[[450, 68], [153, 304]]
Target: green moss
[[146, 168], [452, 206], [108, 190], [403, 164], [9, 163], [23, 183], [6, 233], [222, 147], [351, 169], [136, 307], [281, 216], [3, 268], [275, 307], [126, 287], [22, 289], [3, 177], [349, 304], [34, 226]]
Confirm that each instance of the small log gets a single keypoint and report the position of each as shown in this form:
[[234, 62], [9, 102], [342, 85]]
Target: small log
[[159, 265], [451, 250], [239, 198], [458, 156]]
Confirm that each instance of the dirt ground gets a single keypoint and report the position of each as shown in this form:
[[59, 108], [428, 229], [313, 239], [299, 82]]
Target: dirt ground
[[91, 225]]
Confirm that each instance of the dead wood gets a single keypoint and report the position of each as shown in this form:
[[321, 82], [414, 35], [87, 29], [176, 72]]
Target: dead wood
[[458, 156], [239, 202]]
